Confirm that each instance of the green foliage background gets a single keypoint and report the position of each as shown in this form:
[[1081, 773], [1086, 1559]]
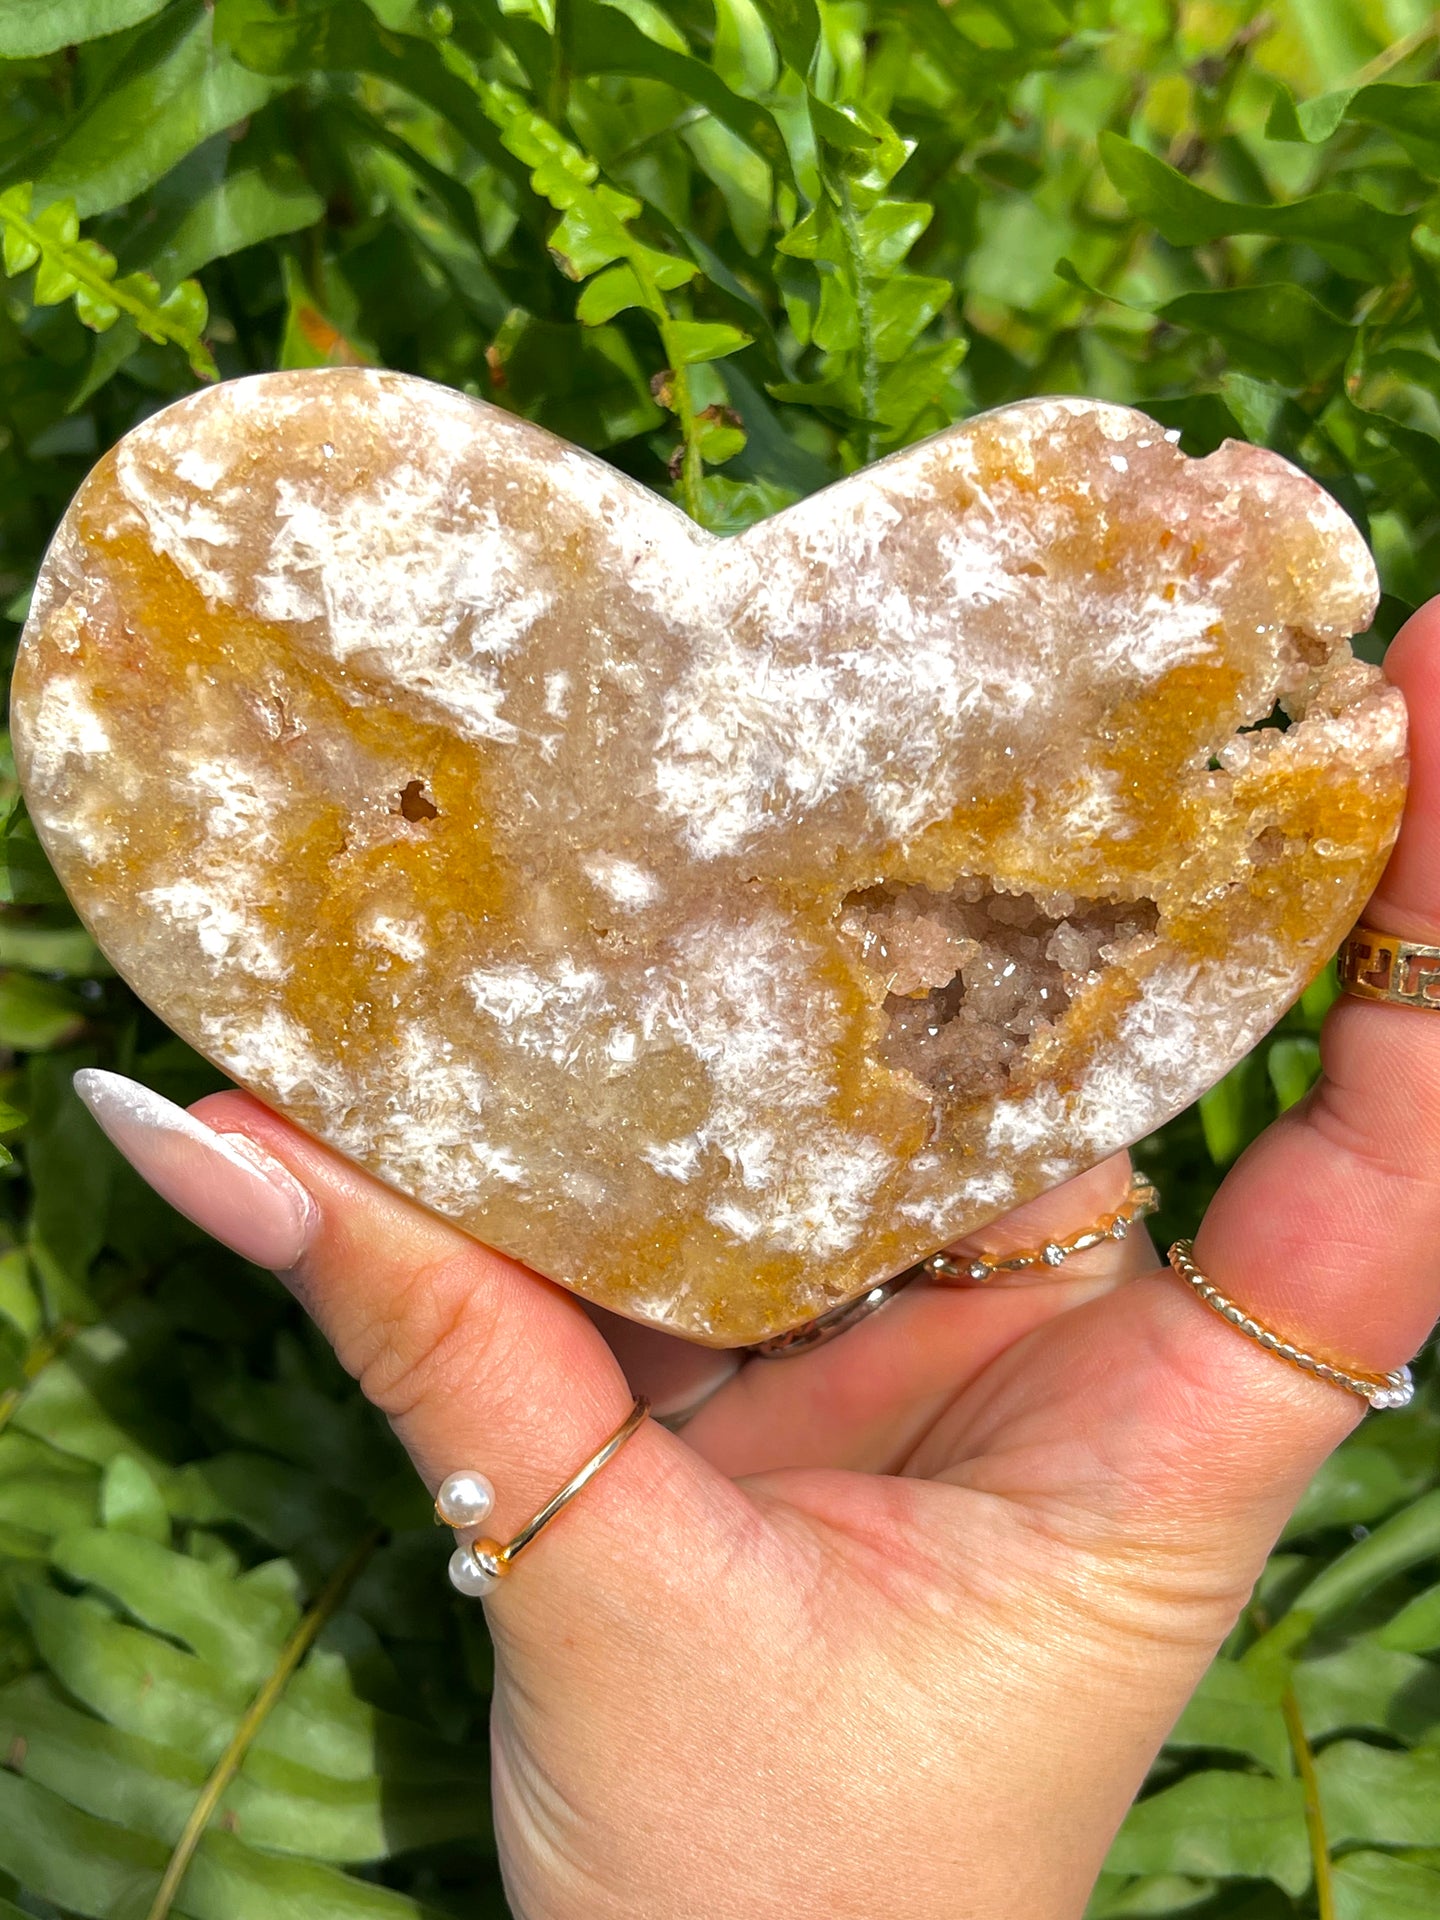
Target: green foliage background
[[739, 247]]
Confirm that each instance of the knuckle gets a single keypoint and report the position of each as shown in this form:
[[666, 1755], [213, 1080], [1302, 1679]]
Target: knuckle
[[429, 1336], [1371, 1142]]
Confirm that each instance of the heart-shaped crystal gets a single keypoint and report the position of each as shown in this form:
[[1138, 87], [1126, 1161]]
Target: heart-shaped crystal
[[716, 925]]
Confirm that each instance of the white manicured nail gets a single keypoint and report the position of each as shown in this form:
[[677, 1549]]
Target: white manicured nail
[[229, 1187]]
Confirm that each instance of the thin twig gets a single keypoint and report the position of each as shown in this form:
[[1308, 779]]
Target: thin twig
[[1314, 1813], [1392, 56], [256, 1714]]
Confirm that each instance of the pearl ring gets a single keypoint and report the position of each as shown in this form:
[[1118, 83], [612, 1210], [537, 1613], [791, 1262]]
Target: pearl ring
[[466, 1500]]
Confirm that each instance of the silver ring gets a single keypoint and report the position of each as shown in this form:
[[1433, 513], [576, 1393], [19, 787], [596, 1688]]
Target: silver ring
[[814, 1333]]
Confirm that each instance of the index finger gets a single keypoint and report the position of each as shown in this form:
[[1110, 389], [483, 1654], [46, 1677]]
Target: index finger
[[480, 1364]]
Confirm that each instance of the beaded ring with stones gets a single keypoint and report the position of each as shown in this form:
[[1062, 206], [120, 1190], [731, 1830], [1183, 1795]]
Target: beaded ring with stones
[[979, 1269], [948, 1269]]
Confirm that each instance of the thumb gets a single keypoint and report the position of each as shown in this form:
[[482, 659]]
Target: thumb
[[477, 1363]]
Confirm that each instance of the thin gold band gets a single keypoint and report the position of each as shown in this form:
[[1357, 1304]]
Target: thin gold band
[[1142, 1198], [949, 1269], [493, 1559], [1379, 966], [1381, 1390]]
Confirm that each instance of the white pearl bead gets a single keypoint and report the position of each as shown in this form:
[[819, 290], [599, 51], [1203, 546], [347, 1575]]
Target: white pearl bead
[[465, 1499], [467, 1576]]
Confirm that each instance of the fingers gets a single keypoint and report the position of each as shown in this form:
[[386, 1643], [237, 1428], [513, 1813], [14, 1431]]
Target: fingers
[[864, 1399], [675, 1375], [441, 1333], [1407, 901], [477, 1362], [1151, 1412], [1348, 1183]]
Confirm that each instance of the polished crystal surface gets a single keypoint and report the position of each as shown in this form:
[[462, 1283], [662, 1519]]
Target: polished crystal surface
[[716, 925]]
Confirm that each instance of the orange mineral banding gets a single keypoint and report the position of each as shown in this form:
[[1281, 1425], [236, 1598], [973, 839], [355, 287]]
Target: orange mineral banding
[[717, 925]]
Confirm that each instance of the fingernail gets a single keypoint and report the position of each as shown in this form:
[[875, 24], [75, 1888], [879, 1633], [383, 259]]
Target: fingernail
[[229, 1187]]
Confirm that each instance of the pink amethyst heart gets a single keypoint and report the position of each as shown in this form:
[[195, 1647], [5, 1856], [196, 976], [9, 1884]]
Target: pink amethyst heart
[[717, 925]]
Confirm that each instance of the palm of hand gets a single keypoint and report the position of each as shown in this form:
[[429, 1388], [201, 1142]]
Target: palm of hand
[[954, 1591], [897, 1626]]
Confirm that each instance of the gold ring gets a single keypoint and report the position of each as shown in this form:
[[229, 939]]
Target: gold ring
[[465, 1499], [1378, 966], [1381, 1390], [1142, 1198], [949, 1269]]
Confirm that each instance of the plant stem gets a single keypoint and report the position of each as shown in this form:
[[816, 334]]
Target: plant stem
[[1314, 1813], [228, 1765], [865, 316], [1392, 56], [692, 467], [559, 89]]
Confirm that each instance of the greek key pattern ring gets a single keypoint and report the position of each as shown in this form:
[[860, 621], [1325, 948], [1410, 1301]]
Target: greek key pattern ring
[[1380, 966]]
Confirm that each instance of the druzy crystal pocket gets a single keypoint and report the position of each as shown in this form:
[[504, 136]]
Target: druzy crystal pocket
[[716, 925]]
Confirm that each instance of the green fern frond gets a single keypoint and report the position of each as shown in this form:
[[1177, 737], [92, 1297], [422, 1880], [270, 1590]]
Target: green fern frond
[[69, 266], [594, 234]]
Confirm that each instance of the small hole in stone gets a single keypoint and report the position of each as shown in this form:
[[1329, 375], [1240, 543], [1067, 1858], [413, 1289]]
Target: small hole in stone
[[972, 975], [1276, 718], [415, 803]]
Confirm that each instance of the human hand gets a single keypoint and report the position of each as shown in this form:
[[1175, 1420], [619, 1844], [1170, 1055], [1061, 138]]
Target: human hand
[[895, 1626]]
